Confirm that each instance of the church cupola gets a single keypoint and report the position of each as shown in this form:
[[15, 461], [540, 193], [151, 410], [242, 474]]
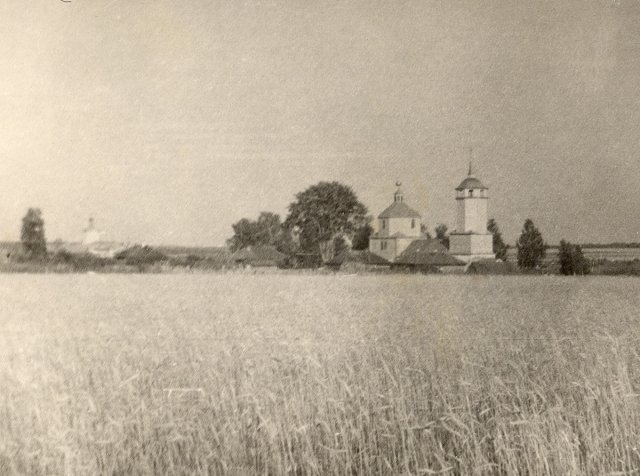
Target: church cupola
[[398, 197]]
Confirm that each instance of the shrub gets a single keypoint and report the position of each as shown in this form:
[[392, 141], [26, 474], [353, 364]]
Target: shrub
[[140, 256], [572, 260]]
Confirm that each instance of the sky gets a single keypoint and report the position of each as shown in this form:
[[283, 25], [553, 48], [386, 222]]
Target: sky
[[167, 121]]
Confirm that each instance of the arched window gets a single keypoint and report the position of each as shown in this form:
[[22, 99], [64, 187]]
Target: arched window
[[471, 193]]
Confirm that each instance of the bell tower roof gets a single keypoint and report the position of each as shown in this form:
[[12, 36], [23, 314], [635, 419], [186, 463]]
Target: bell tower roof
[[471, 182]]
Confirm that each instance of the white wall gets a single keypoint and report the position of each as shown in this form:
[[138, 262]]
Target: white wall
[[471, 215], [399, 225], [375, 246]]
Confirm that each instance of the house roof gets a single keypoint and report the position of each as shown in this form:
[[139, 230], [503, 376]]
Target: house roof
[[399, 210], [427, 252], [353, 256], [258, 256], [471, 183]]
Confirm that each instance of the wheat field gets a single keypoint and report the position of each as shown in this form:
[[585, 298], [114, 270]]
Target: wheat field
[[318, 374]]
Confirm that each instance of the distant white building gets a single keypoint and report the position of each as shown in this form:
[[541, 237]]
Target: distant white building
[[471, 241], [94, 243], [91, 234]]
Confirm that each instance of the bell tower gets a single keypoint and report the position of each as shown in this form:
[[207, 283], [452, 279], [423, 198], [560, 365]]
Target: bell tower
[[471, 241]]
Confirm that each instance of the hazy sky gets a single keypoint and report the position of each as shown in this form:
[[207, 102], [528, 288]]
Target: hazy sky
[[168, 120]]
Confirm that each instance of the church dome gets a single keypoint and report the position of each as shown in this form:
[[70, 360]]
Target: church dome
[[471, 183], [399, 210]]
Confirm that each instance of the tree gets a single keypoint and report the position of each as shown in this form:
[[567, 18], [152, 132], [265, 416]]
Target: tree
[[441, 234], [140, 256], [572, 260], [362, 235], [266, 230], [339, 245], [32, 236], [425, 231], [323, 212], [531, 247], [500, 248]]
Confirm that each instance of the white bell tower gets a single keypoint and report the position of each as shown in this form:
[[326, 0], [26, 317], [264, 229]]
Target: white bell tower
[[471, 241]]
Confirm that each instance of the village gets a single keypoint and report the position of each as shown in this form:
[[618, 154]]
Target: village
[[398, 240]]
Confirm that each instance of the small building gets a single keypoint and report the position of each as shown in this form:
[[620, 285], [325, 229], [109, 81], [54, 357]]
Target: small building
[[398, 226], [471, 241], [428, 255], [257, 256]]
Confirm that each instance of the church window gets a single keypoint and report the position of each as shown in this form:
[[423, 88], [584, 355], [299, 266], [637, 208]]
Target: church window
[[383, 245], [413, 223], [384, 224]]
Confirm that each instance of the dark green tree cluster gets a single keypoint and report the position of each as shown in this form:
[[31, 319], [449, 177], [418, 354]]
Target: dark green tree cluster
[[361, 236], [266, 230], [32, 236], [322, 213], [323, 219], [441, 234], [531, 247], [572, 260], [500, 248]]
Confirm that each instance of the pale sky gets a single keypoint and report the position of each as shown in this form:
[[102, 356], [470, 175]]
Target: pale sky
[[169, 120]]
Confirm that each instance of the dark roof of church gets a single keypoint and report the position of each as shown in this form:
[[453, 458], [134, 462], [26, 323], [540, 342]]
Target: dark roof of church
[[427, 252], [399, 210], [471, 183]]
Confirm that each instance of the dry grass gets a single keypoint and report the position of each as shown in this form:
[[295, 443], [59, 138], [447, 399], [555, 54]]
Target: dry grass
[[233, 374]]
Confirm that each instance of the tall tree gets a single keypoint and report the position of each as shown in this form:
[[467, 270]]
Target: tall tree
[[266, 230], [572, 260], [32, 236], [531, 247], [324, 212], [500, 248], [361, 236], [441, 234]]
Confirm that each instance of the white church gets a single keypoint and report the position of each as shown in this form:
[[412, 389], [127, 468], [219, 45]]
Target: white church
[[399, 238]]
